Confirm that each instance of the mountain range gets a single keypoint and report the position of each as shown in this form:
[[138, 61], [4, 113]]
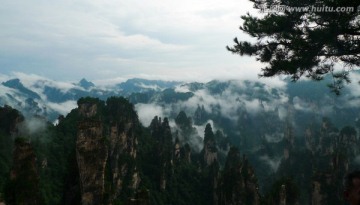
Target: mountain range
[[298, 130], [255, 109], [49, 98]]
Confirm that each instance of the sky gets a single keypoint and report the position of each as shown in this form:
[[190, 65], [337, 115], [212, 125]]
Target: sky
[[107, 40]]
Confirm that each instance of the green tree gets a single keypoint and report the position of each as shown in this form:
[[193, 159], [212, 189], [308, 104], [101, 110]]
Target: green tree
[[22, 187], [208, 134], [307, 43], [183, 121]]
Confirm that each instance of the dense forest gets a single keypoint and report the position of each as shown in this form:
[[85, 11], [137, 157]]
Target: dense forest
[[100, 153]]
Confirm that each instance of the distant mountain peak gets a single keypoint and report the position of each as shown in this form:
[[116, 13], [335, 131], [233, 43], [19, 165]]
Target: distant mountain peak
[[139, 85], [17, 85], [12, 82], [85, 84]]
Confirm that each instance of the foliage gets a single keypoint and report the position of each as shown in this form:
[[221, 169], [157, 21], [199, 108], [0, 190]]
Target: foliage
[[208, 134], [9, 118], [308, 42], [23, 185], [186, 180], [183, 121]]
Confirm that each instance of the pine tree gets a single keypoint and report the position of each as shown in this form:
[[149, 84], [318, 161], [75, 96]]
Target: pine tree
[[307, 42]]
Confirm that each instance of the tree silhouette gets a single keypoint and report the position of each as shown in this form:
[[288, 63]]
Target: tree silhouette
[[304, 42]]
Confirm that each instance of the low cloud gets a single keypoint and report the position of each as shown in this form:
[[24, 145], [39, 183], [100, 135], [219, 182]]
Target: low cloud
[[153, 87], [63, 108], [32, 126], [37, 83], [182, 89], [274, 138], [235, 96], [201, 128], [301, 105], [357, 160], [282, 113], [354, 87], [147, 112], [273, 163]]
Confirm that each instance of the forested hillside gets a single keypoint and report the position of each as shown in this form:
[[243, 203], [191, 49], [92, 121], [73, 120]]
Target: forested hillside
[[100, 153]]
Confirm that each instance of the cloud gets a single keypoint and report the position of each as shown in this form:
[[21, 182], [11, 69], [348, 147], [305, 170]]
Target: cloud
[[153, 87], [282, 112], [201, 128], [357, 160], [37, 83], [9, 96], [195, 140], [32, 126], [177, 40], [274, 137], [109, 82], [140, 41], [301, 105], [147, 112], [63, 108], [272, 163], [354, 87], [235, 97], [182, 89]]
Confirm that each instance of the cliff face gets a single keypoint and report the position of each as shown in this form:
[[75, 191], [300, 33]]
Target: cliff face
[[210, 153], [319, 166], [282, 195], [9, 120], [335, 152], [161, 132], [210, 149], [316, 195], [122, 144], [106, 150], [91, 154], [23, 185], [238, 184]]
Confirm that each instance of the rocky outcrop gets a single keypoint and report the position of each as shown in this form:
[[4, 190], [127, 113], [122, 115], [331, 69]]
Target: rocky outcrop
[[9, 119], [310, 143], [210, 155], [91, 154], [106, 149], [177, 149], [316, 196], [282, 195], [334, 154], [325, 189], [123, 144], [238, 183], [209, 151], [88, 109], [161, 132], [141, 198], [23, 185], [187, 153]]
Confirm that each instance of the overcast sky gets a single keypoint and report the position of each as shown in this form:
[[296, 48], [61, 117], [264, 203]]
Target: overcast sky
[[119, 39]]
